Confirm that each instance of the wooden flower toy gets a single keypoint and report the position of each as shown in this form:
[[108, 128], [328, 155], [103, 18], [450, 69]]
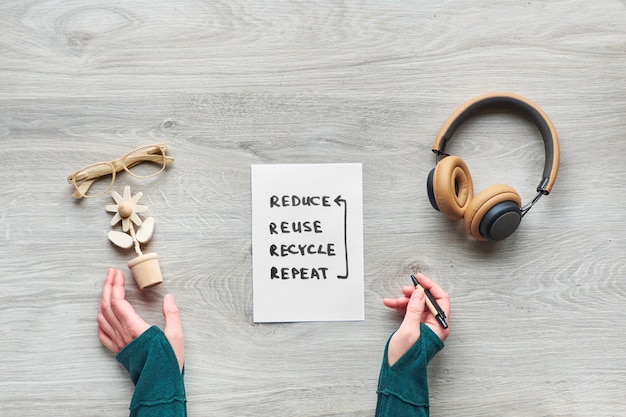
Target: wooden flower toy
[[145, 267]]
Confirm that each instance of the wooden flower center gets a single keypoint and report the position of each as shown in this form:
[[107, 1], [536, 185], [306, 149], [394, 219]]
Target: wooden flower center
[[125, 209]]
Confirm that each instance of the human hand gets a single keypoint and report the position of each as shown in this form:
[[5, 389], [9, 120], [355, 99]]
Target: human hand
[[413, 306], [119, 324]]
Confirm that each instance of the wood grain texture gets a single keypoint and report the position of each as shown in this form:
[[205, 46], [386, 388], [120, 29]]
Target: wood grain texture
[[537, 321]]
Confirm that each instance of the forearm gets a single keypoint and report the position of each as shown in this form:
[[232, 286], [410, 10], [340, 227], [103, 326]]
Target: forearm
[[154, 369], [403, 387]]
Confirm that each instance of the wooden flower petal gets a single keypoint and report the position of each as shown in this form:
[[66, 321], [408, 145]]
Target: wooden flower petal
[[135, 219], [140, 209], [135, 199], [116, 197], [116, 219], [120, 239], [127, 195]]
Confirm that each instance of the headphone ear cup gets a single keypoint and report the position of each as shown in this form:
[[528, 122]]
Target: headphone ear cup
[[493, 214], [450, 187]]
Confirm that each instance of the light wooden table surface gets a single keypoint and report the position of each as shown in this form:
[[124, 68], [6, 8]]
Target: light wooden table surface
[[538, 319]]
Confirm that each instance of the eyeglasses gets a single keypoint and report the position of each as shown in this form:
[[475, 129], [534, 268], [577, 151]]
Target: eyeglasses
[[96, 179]]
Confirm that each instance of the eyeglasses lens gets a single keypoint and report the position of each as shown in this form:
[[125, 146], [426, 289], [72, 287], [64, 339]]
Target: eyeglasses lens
[[93, 187], [145, 162]]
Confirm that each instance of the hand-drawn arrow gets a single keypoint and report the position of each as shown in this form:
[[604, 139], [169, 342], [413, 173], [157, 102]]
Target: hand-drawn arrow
[[338, 201]]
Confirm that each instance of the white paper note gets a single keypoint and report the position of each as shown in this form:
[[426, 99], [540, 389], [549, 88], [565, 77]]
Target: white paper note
[[307, 242]]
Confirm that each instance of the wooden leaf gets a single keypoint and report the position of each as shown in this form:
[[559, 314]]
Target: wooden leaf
[[120, 239], [144, 233]]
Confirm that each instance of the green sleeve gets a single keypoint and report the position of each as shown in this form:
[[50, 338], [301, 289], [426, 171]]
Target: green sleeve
[[153, 368], [403, 387]]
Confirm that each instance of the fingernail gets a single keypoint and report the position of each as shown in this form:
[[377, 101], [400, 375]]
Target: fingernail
[[169, 298]]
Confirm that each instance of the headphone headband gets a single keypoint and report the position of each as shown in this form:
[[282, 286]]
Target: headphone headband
[[517, 103]]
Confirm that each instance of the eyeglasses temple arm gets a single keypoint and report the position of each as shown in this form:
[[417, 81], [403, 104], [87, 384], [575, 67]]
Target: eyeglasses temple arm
[[81, 190]]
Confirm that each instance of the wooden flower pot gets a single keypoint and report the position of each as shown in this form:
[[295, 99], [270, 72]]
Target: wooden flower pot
[[146, 270]]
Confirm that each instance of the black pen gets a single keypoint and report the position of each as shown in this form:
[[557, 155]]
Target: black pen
[[432, 304]]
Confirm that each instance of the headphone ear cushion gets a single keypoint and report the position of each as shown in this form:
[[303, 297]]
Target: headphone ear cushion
[[494, 213], [451, 186], [430, 189]]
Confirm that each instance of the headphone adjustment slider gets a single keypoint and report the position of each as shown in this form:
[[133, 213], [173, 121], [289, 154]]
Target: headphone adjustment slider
[[528, 206], [439, 155], [542, 186]]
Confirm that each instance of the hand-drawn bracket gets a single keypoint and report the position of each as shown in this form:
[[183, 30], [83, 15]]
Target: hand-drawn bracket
[[343, 201]]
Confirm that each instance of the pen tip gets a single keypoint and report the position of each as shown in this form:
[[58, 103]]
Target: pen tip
[[414, 280]]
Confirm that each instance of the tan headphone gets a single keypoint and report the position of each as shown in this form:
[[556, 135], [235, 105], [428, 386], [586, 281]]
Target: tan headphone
[[496, 212]]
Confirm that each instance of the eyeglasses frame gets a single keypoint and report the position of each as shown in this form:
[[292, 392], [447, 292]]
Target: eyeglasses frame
[[90, 173]]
